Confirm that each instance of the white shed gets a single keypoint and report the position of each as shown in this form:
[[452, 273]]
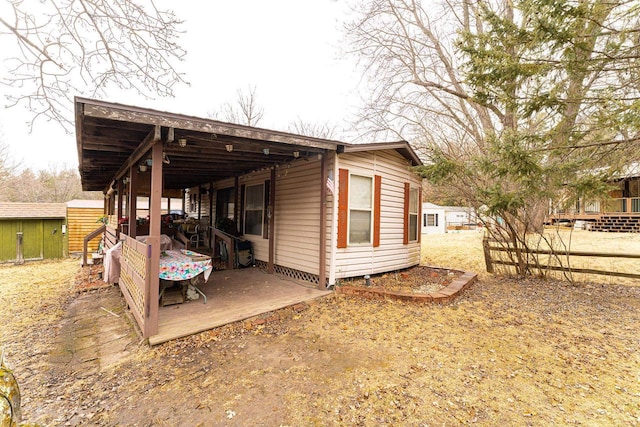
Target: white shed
[[441, 219], [433, 219]]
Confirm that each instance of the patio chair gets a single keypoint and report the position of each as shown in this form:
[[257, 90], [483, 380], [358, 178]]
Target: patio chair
[[198, 237]]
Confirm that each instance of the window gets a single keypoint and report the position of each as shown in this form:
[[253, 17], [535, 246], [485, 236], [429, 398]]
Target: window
[[360, 209], [253, 209], [225, 207], [432, 220], [413, 215]]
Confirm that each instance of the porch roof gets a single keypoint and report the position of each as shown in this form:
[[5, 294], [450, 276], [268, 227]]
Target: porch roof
[[112, 137]]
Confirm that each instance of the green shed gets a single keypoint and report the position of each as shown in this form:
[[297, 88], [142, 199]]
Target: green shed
[[37, 229]]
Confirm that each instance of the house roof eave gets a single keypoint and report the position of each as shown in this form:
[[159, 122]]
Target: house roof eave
[[402, 147]]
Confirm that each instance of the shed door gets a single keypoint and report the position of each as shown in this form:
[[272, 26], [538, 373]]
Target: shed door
[[52, 238], [32, 238], [8, 230]]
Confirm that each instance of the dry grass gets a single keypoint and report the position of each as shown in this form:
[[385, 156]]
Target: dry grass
[[33, 293], [460, 250], [464, 250], [508, 352]]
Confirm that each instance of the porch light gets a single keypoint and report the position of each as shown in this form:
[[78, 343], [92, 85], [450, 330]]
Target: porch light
[[265, 151], [296, 154], [165, 158], [182, 142], [229, 147]]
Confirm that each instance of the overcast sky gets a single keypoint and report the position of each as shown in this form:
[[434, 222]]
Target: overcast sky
[[290, 50]]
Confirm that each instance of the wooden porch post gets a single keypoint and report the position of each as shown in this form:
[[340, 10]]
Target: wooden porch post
[[236, 202], [133, 202], [119, 214], [153, 243], [211, 212], [322, 258], [272, 222]]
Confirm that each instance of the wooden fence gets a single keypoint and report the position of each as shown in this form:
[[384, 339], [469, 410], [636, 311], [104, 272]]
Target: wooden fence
[[501, 253]]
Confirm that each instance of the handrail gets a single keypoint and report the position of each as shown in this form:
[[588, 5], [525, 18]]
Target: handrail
[[227, 238], [85, 245]]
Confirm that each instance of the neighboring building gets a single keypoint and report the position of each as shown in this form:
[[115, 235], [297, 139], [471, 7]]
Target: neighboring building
[[433, 219], [441, 219], [83, 217], [618, 213], [32, 231]]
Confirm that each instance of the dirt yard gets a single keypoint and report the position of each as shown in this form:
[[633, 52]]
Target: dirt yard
[[507, 352]]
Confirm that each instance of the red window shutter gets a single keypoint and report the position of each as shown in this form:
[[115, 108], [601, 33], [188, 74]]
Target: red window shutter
[[377, 191], [405, 239], [419, 212], [343, 207]]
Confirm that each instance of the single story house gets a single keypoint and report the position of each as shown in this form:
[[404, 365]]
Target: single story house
[[32, 231], [440, 219], [313, 209]]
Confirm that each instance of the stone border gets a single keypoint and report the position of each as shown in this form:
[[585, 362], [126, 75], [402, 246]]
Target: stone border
[[443, 296]]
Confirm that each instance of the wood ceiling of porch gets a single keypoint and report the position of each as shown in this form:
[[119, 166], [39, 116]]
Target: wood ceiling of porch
[[108, 134]]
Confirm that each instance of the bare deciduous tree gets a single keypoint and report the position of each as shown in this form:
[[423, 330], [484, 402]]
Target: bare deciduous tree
[[8, 167], [244, 111], [53, 185], [56, 49], [318, 130], [512, 103]]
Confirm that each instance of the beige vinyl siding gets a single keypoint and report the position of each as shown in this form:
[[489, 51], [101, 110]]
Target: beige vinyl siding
[[392, 254], [80, 222], [298, 216], [329, 209]]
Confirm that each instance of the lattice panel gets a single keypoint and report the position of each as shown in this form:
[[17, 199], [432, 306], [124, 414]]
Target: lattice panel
[[135, 259], [134, 292], [292, 272]]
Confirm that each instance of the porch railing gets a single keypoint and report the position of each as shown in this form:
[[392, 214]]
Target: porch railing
[[611, 206], [625, 205], [85, 242], [134, 271]]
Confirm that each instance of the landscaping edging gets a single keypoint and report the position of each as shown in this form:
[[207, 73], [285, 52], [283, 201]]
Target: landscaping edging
[[445, 295]]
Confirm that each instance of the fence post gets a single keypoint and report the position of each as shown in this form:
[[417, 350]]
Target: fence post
[[487, 255], [19, 252]]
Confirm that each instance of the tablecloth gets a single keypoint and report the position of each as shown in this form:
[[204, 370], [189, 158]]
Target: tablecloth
[[184, 265]]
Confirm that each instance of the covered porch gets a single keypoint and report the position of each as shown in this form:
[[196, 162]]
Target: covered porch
[[127, 152], [232, 295]]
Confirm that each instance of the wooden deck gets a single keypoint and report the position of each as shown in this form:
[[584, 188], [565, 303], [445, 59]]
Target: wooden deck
[[232, 295]]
